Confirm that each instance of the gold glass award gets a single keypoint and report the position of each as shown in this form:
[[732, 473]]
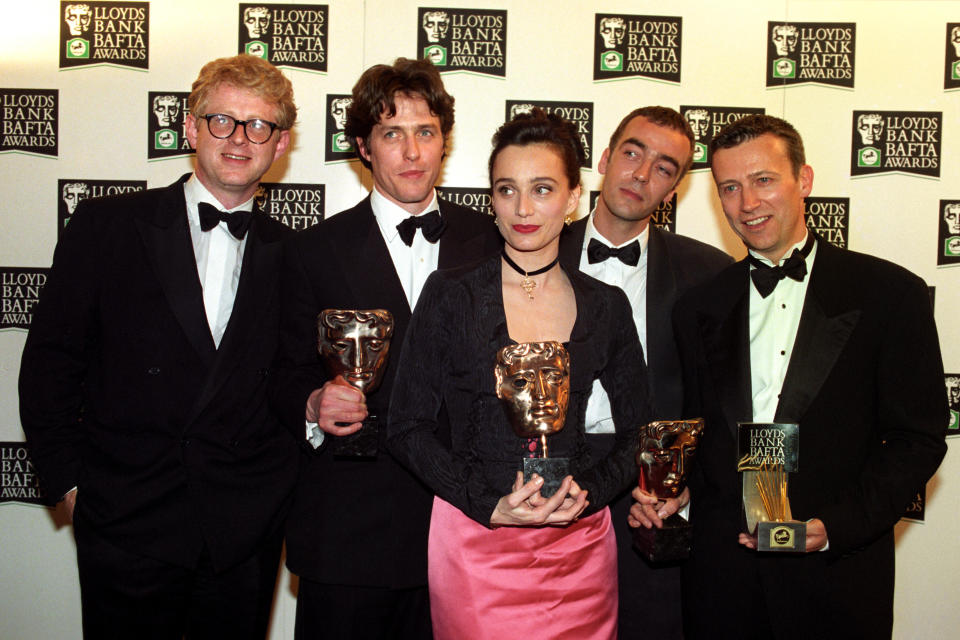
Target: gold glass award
[[769, 453]]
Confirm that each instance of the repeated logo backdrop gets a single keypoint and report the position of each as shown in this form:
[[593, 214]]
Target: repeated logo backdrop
[[863, 88]]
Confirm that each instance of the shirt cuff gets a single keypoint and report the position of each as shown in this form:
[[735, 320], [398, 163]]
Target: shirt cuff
[[314, 435]]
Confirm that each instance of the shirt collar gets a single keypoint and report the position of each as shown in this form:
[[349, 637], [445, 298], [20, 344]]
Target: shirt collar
[[789, 252], [195, 193], [591, 233], [389, 214]]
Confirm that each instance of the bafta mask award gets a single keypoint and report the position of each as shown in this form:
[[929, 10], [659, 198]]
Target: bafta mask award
[[354, 344], [768, 454], [533, 383], [666, 449]]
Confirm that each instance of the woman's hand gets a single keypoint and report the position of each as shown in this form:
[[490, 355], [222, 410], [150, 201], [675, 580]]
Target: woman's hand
[[649, 511], [526, 507]]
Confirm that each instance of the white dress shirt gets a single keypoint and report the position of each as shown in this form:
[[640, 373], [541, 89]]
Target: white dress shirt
[[773, 329], [413, 264], [633, 281], [219, 257]]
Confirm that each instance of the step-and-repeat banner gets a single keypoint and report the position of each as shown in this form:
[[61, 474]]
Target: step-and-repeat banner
[[93, 97]]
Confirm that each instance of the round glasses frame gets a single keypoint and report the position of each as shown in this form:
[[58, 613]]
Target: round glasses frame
[[222, 126]]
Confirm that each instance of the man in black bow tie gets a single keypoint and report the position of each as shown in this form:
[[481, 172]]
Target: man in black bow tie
[[143, 387], [648, 155], [357, 535], [842, 344]]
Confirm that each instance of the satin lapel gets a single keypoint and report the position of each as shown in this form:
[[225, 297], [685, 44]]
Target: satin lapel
[[373, 278], [724, 328], [255, 292], [459, 245], [571, 244], [661, 293], [166, 239], [821, 337]]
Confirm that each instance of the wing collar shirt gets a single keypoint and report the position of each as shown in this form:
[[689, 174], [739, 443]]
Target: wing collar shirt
[[633, 281], [415, 263], [219, 257], [773, 329]]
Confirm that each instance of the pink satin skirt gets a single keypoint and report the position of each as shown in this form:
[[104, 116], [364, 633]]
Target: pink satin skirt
[[546, 583]]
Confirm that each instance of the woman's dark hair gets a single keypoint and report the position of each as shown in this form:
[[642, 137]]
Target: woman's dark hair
[[539, 127]]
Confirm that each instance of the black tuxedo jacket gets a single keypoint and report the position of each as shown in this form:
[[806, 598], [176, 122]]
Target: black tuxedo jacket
[[361, 522], [674, 265], [865, 384], [124, 394]]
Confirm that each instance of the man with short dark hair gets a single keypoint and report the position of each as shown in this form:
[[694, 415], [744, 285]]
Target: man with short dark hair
[[143, 386], [649, 153], [840, 343], [357, 534]]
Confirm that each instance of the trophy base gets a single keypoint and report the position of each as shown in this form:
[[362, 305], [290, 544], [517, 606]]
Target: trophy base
[[788, 537], [364, 443], [552, 470], [668, 544]]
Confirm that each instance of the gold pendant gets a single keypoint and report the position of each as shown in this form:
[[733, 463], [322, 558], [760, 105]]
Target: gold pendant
[[528, 285]]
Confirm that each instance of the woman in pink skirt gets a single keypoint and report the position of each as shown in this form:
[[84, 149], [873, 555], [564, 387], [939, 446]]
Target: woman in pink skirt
[[504, 561]]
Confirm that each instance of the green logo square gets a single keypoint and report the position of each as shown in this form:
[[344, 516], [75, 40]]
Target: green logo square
[[700, 152], [436, 54], [951, 247], [868, 157], [256, 48], [340, 143], [955, 70], [165, 139], [78, 48], [784, 68], [611, 61]]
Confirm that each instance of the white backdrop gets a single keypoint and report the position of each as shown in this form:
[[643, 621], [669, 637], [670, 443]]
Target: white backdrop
[[103, 114]]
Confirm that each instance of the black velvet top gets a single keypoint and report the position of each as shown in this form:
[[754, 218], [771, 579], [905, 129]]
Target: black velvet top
[[447, 364]]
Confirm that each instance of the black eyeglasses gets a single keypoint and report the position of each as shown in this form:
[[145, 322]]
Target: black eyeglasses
[[222, 126]]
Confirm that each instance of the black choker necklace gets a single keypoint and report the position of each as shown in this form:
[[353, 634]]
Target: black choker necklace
[[526, 282]]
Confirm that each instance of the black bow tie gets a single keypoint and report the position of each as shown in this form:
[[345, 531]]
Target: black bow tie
[[598, 252], [431, 224], [237, 222], [765, 277]]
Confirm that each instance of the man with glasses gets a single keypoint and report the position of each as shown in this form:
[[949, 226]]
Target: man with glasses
[[143, 381]]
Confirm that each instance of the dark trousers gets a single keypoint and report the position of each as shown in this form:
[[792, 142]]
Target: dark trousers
[[125, 595], [338, 612]]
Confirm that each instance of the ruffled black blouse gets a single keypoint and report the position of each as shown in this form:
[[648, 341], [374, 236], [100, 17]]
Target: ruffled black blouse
[[447, 365]]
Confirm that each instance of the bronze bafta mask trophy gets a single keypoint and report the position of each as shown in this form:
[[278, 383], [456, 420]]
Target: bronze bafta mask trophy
[[533, 383], [354, 344], [769, 453], [666, 449]]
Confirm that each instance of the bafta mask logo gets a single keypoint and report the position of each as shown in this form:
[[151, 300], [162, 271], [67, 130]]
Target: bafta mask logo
[[870, 128], [951, 215], [665, 451], [354, 344], [517, 109], [436, 24], [77, 17], [166, 109], [533, 383], [612, 31], [784, 38], [338, 110], [257, 21], [73, 193], [955, 40], [699, 120]]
